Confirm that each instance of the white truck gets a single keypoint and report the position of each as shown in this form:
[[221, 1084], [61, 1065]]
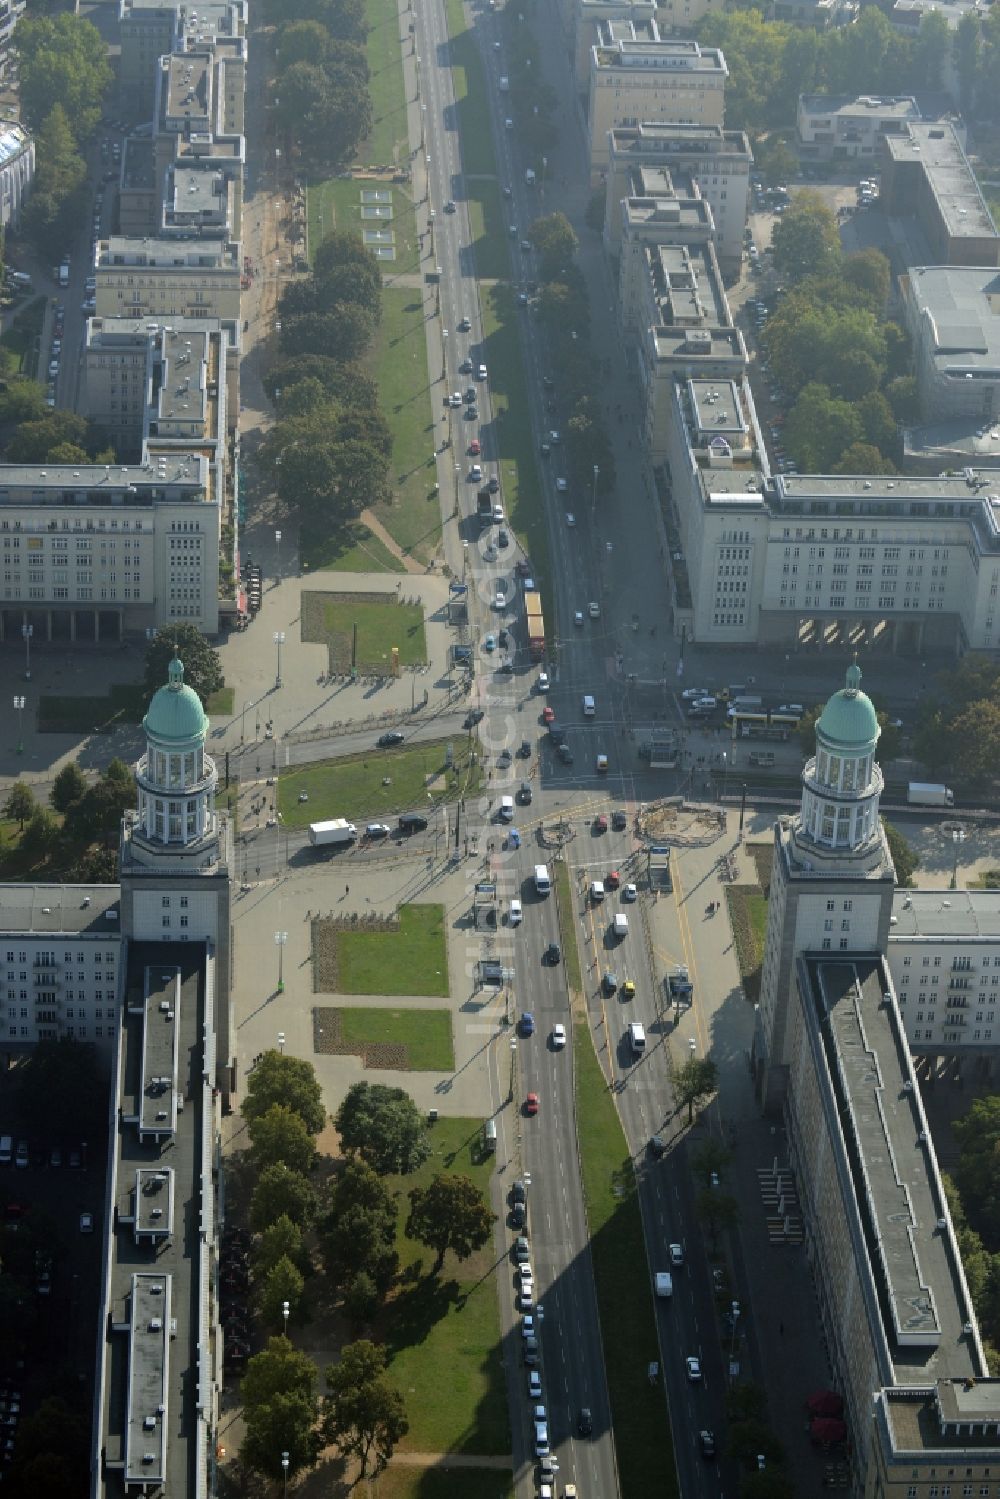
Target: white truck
[[664, 1283], [328, 834], [929, 794], [504, 84], [529, 176]]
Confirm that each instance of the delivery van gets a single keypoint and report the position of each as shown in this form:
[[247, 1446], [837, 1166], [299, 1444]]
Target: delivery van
[[636, 1039]]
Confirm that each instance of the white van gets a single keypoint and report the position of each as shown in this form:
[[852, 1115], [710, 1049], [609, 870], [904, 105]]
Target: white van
[[506, 809], [636, 1039], [490, 1137], [664, 1283], [589, 706], [620, 926], [514, 912], [543, 881]]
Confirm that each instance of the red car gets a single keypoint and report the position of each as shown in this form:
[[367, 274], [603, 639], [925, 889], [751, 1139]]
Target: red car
[[612, 879], [600, 824], [548, 714], [475, 447], [531, 1104]]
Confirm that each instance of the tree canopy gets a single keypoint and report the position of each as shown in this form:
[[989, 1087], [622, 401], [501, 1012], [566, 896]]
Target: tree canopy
[[384, 1126], [279, 1136], [202, 663], [364, 1414], [281, 1192], [64, 58], [960, 721], [291, 1081], [450, 1213], [358, 1230]]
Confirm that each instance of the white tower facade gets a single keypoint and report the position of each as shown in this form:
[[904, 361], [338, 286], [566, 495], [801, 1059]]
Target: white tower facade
[[832, 879], [176, 852]]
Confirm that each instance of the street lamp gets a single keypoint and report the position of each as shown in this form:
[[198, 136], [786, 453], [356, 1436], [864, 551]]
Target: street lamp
[[957, 838], [27, 631], [279, 640], [281, 1042], [593, 497], [513, 1067], [286, 1307], [277, 556], [19, 710], [284, 1472], [280, 939]]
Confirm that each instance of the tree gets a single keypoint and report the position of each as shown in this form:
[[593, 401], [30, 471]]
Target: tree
[[903, 857], [363, 1414], [966, 48], [819, 429], [285, 1425], [95, 866], [901, 393], [384, 1126], [775, 159], [20, 803], [748, 1438], [202, 664], [280, 1137], [52, 1442], [280, 1240], [869, 271], [59, 194], [33, 442], [99, 811], [283, 1284], [62, 58], [862, 458], [280, 1192], [343, 331], [40, 835], [695, 1080], [279, 1369], [345, 270], [711, 1155], [807, 729], [68, 787], [22, 401], [806, 240], [555, 241], [302, 41], [290, 1081], [745, 1402], [717, 1211], [450, 1213], [769, 1483], [361, 1299], [347, 384], [358, 1231], [932, 45]]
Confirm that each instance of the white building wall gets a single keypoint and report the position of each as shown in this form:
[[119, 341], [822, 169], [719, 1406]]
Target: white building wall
[[164, 914], [57, 985]]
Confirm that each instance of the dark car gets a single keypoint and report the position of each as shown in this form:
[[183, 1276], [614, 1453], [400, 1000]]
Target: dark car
[[465, 368], [392, 737], [619, 821], [518, 1215], [657, 1146], [474, 716], [565, 754], [553, 954], [494, 485], [556, 734], [585, 1422], [504, 639], [527, 1026], [706, 1441], [519, 1192], [412, 822], [609, 983]]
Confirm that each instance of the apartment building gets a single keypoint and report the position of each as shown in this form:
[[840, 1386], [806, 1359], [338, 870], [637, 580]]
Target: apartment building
[[166, 278], [717, 163], [96, 552], [926, 174], [17, 171], [671, 80], [589, 15], [831, 1053], [815, 15], [60, 947], [147, 30], [834, 127], [662, 236], [944, 956], [952, 314]]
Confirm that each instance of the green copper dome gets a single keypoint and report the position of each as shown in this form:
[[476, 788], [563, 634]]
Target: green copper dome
[[175, 715], [848, 721]]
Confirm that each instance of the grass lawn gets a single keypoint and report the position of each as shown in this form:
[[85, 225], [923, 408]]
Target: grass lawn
[[352, 786], [748, 919], [469, 84], [490, 242], [443, 1332], [387, 144], [512, 429], [336, 204], [353, 550], [441, 1483], [125, 703], [426, 1034], [413, 960], [23, 334], [329, 618], [398, 362], [567, 927], [628, 1329]]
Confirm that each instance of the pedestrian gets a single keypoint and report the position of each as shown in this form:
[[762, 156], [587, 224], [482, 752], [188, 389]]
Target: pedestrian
[[347, 889]]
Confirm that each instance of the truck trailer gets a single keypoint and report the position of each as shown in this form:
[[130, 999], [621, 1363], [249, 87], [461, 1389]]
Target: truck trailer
[[929, 794], [536, 624], [328, 834]]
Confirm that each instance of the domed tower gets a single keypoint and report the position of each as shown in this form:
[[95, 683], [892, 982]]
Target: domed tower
[[832, 878], [176, 850]]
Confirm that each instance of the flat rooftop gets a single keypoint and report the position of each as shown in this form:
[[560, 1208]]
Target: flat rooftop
[[934, 144], [196, 191], [183, 396], [52, 910], [678, 217], [956, 915], [162, 1023], [687, 287], [717, 409], [658, 136], [65, 482], [898, 1195], [170, 1370], [702, 342], [666, 53], [121, 251], [188, 94], [864, 106], [959, 305]]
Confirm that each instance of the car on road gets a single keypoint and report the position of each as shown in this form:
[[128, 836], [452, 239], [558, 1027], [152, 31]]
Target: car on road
[[562, 485], [548, 714], [619, 821], [482, 372], [465, 368], [521, 1249], [489, 552], [676, 1252], [657, 1146], [472, 413], [553, 954], [585, 1422], [504, 760], [527, 1024], [490, 643], [630, 892], [609, 983], [612, 879], [558, 1037], [455, 399], [692, 694], [377, 830], [449, 207], [570, 518], [475, 448], [86, 1223], [792, 709], [600, 823], [474, 716], [701, 706], [464, 325], [543, 681], [475, 472], [526, 1297], [531, 1104], [594, 609], [554, 438], [519, 1192], [628, 989], [541, 1438], [471, 395], [578, 617], [515, 914], [528, 1327], [706, 1441], [534, 1385], [504, 639], [693, 1366], [500, 599], [392, 736], [597, 890], [565, 754]]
